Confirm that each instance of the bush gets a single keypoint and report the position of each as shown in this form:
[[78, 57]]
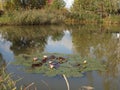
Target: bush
[[36, 17]]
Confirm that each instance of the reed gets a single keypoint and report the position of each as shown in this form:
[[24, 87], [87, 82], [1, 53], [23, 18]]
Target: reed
[[6, 83], [113, 19], [32, 17], [51, 16], [82, 18]]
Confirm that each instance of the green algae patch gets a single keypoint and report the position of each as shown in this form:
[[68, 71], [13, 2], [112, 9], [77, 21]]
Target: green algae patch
[[73, 66]]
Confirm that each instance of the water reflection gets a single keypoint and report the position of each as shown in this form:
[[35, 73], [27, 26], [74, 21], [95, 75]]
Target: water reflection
[[5, 51], [101, 46], [60, 46], [92, 42], [31, 39]]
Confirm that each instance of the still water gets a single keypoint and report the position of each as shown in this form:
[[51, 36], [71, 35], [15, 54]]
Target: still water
[[101, 43]]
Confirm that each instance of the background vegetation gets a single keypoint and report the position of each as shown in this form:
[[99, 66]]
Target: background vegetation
[[32, 12], [94, 10]]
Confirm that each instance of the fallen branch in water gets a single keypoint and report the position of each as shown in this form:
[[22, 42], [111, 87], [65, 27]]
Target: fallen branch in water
[[68, 86]]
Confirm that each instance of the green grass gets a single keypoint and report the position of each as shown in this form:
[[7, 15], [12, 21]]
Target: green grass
[[4, 20]]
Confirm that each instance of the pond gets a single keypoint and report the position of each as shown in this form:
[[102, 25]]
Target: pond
[[97, 42]]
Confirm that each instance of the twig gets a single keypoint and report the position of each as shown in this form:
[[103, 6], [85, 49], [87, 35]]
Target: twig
[[45, 84], [68, 86], [28, 86]]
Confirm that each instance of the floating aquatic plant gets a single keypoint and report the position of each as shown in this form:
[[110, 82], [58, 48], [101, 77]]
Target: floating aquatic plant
[[73, 67]]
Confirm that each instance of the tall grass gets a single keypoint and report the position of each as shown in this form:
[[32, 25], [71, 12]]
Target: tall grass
[[112, 19], [33, 17], [82, 18], [52, 16], [7, 83]]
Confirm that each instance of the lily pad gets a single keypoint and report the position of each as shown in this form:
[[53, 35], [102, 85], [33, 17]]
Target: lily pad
[[73, 67]]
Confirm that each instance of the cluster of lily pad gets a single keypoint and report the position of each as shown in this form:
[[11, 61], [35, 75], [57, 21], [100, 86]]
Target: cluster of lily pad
[[74, 65]]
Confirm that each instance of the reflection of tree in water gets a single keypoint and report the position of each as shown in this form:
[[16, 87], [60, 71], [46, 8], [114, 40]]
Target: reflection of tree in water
[[113, 62], [57, 36], [86, 42], [113, 66], [31, 39], [101, 46]]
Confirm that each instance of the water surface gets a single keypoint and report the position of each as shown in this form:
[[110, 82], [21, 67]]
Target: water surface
[[101, 43]]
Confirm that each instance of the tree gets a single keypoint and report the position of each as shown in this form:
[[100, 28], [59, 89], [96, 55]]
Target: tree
[[36, 3], [13, 4], [10, 5], [107, 6], [76, 6], [57, 4]]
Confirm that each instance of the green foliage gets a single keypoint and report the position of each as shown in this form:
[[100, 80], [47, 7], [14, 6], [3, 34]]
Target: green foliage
[[95, 5], [16, 4], [5, 19], [33, 17], [99, 9], [36, 3], [36, 17], [70, 68], [10, 5], [57, 4], [113, 19]]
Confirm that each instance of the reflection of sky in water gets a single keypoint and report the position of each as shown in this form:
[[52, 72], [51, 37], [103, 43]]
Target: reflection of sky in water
[[5, 51], [65, 45]]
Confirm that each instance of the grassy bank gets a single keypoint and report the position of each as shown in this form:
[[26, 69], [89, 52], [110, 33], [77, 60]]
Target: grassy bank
[[47, 17], [32, 17]]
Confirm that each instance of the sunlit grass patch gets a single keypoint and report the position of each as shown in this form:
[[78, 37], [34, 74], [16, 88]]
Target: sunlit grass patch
[[73, 67], [4, 20], [6, 83]]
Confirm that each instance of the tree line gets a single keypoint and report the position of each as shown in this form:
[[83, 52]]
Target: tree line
[[32, 4], [81, 10], [101, 7], [90, 6]]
